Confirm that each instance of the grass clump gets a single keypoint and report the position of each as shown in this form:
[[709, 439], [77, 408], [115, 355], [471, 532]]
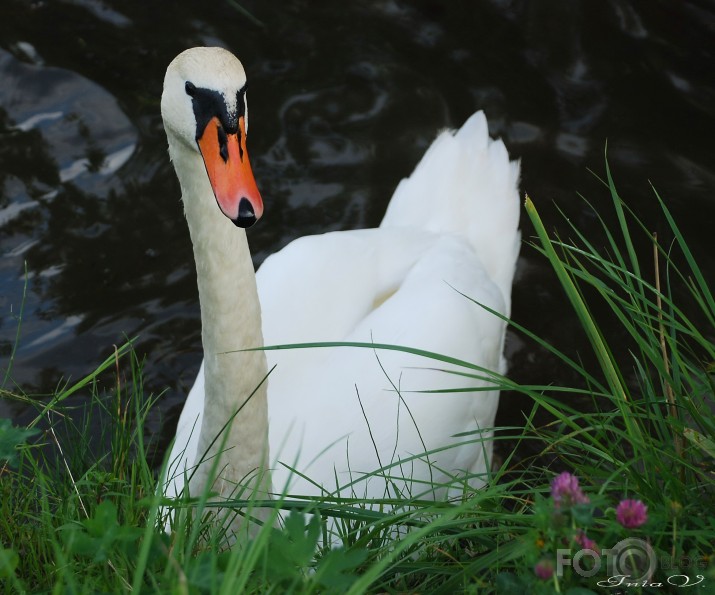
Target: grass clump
[[619, 496]]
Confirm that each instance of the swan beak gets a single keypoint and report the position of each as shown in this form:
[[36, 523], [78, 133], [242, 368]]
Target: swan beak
[[230, 174]]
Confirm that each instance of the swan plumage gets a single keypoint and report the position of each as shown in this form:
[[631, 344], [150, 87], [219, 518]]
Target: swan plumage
[[334, 414]]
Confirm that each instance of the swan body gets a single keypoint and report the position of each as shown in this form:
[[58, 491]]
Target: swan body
[[338, 414]]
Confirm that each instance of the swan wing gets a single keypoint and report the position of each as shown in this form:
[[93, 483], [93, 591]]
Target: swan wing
[[338, 413]]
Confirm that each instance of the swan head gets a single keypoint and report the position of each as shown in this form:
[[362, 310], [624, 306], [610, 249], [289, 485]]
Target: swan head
[[204, 109]]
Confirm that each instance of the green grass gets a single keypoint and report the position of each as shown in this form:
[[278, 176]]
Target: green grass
[[79, 513]]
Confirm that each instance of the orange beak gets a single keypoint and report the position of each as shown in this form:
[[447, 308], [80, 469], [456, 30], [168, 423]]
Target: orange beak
[[230, 174]]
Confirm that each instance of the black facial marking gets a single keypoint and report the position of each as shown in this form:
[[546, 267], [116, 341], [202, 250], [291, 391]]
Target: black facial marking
[[223, 144], [208, 104], [241, 101]]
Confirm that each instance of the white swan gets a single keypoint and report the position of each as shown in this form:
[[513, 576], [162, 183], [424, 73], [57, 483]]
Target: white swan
[[450, 229]]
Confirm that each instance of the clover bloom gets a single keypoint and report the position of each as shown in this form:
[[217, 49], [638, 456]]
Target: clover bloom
[[631, 513], [544, 569], [566, 491], [585, 542]]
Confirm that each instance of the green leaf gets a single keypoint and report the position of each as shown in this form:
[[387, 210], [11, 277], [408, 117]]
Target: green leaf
[[705, 444], [8, 562], [338, 568], [10, 438], [292, 549], [582, 514], [103, 521], [508, 583], [206, 570], [98, 535]]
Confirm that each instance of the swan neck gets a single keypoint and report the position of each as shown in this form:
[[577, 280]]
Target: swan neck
[[231, 322]]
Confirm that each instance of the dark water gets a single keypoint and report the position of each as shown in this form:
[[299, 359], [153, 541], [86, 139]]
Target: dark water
[[344, 98]]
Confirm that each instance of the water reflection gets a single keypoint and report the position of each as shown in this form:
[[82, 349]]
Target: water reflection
[[83, 128], [343, 101]]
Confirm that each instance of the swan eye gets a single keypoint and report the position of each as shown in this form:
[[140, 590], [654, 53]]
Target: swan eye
[[190, 88]]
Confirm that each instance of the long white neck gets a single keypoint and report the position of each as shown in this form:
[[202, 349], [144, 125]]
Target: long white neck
[[231, 321]]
